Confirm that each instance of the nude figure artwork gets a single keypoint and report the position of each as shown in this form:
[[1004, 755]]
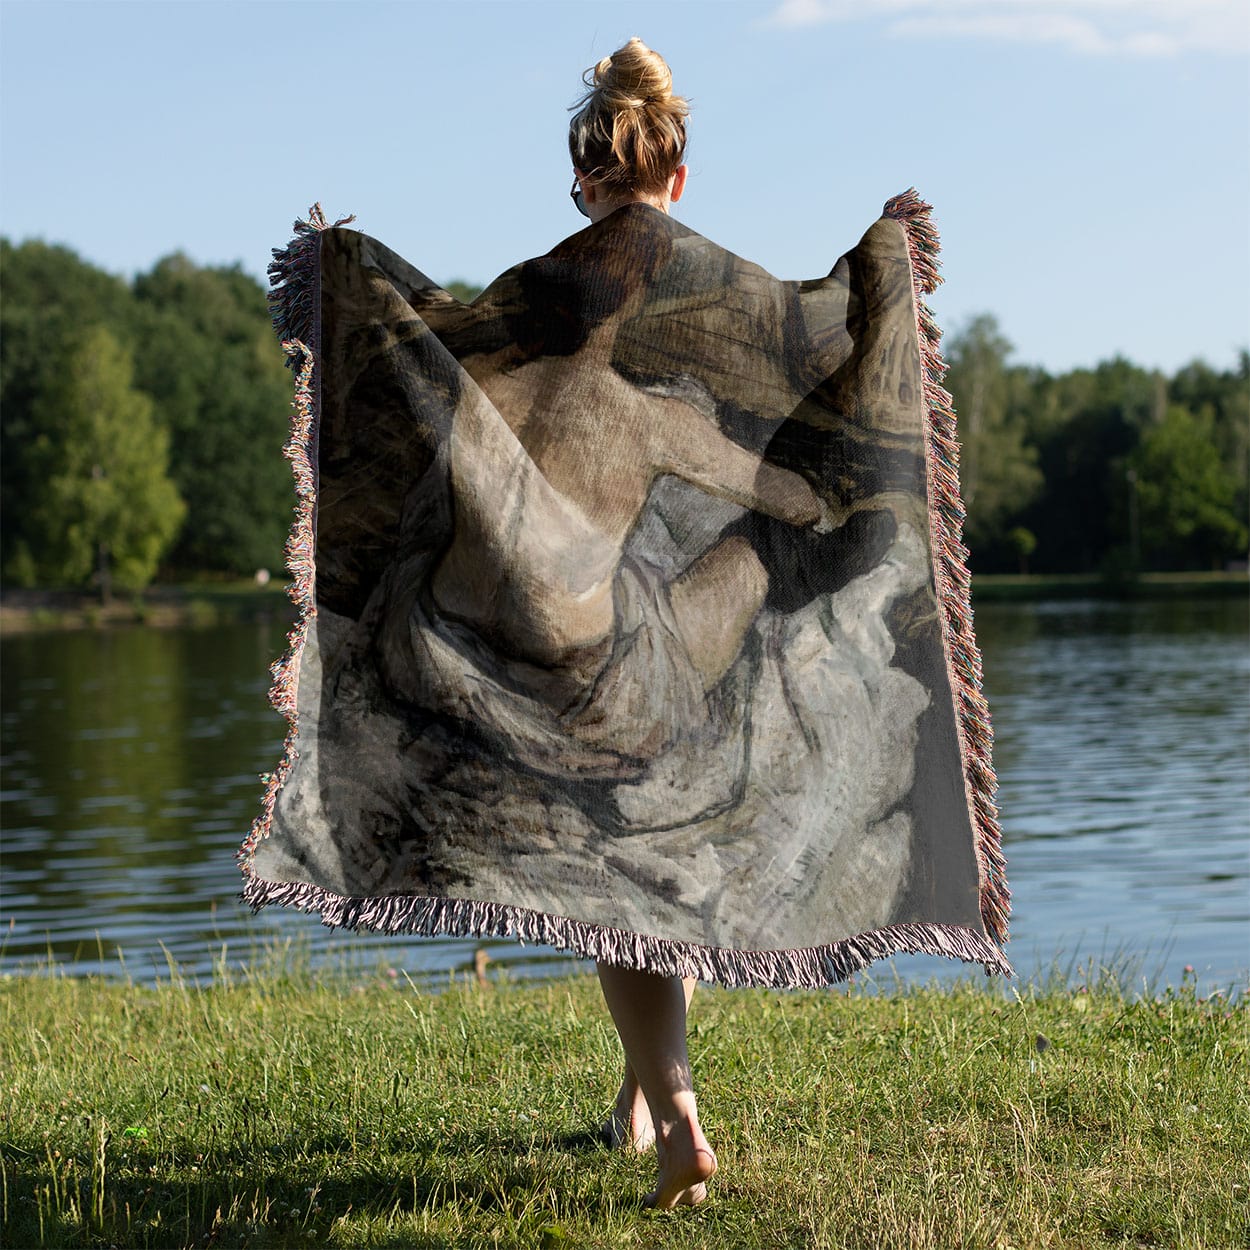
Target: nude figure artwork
[[625, 597]]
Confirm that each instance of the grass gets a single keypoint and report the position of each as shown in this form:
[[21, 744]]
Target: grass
[[283, 1108]]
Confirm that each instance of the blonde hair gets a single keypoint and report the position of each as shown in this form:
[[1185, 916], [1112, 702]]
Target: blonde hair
[[629, 133]]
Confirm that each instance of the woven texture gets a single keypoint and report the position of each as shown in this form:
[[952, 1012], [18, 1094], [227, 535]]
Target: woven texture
[[634, 617]]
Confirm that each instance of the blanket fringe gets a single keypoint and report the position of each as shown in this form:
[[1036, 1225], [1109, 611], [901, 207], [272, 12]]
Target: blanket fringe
[[295, 278], [950, 560], [294, 303], [807, 968]]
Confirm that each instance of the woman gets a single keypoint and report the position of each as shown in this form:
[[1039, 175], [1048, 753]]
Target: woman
[[625, 634], [628, 142]]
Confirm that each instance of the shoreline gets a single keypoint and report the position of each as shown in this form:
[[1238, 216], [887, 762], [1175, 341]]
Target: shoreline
[[1034, 587], [203, 604], [176, 605]]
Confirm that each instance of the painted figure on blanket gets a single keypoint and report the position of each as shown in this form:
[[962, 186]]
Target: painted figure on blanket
[[615, 552], [596, 601], [537, 548], [544, 504]]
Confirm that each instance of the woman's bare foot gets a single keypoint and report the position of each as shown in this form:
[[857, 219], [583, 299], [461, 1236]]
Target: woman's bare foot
[[686, 1165], [649, 1012], [629, 1125]]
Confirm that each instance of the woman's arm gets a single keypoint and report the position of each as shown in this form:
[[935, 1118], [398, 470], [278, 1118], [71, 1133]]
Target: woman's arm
[[693, 449]]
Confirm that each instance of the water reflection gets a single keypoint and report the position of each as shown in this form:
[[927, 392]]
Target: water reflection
[[131, 760]]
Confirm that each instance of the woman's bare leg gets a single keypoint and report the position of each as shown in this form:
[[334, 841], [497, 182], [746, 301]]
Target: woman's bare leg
[[629, 1125], [650, 1015]]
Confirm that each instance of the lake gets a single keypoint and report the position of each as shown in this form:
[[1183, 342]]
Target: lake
[[130, 775]]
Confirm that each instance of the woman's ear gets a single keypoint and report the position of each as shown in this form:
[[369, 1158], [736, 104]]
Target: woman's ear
[[678, 184]]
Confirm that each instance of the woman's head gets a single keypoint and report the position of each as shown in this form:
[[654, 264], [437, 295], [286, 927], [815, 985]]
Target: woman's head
[[629, 132]]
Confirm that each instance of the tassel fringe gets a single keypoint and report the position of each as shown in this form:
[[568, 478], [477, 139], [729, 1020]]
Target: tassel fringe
[[295, 305], [295, 279], [950, 562], [807, 968]]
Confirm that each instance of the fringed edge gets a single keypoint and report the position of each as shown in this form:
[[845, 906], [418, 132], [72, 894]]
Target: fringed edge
[[283, 691], [950, 563], [807, 968], [295, 305], [295, 279]]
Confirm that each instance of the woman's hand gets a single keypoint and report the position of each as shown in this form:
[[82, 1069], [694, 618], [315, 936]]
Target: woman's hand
[[831, 517], [806, 509]]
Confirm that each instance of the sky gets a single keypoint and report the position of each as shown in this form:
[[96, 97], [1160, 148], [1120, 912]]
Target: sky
[[1088, 160]]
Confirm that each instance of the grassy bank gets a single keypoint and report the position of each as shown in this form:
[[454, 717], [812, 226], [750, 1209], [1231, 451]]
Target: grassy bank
[[213, 603], [1000, 587], [190, 603], [283, 1110]]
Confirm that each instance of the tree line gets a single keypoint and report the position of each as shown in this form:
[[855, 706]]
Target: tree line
[[1113, 470], [142, 422]]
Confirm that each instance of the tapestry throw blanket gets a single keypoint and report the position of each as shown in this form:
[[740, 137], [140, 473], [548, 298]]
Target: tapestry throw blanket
[[634, 618]]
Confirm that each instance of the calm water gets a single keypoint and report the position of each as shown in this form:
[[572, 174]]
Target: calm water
[[131, 760]]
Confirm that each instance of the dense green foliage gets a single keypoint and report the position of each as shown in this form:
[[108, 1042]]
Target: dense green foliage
[[1112, 470], [287, 1111], [206, 352], [106, 503], [210, 407]]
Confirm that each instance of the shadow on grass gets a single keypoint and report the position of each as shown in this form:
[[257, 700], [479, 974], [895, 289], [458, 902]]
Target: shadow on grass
[[255, 1198]]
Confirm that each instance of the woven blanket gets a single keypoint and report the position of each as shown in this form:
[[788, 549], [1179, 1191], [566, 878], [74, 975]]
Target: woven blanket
[[634, 618]]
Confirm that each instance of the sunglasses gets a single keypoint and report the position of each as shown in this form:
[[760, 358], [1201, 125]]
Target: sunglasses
[[576, 196]]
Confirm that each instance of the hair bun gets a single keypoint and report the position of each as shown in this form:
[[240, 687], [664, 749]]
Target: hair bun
[[634, 76], [629, 131]]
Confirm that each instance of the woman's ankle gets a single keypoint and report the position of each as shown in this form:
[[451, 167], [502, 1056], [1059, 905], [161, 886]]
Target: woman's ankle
[[679, 1111]]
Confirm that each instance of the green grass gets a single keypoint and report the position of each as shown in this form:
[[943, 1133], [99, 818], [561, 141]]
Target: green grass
[[287, 1109]]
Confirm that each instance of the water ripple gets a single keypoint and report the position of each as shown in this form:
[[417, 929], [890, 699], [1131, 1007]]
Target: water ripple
[[131, 763]]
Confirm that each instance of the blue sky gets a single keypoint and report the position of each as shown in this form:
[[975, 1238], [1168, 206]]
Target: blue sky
[[1089, 160]]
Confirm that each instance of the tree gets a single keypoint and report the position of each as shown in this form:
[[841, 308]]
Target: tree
[[465, 292], [208, 356], [1221, 399], [1087, 426], [1186, 495], [51, 296], [1023, 543], [104, 503], [997, 468]]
